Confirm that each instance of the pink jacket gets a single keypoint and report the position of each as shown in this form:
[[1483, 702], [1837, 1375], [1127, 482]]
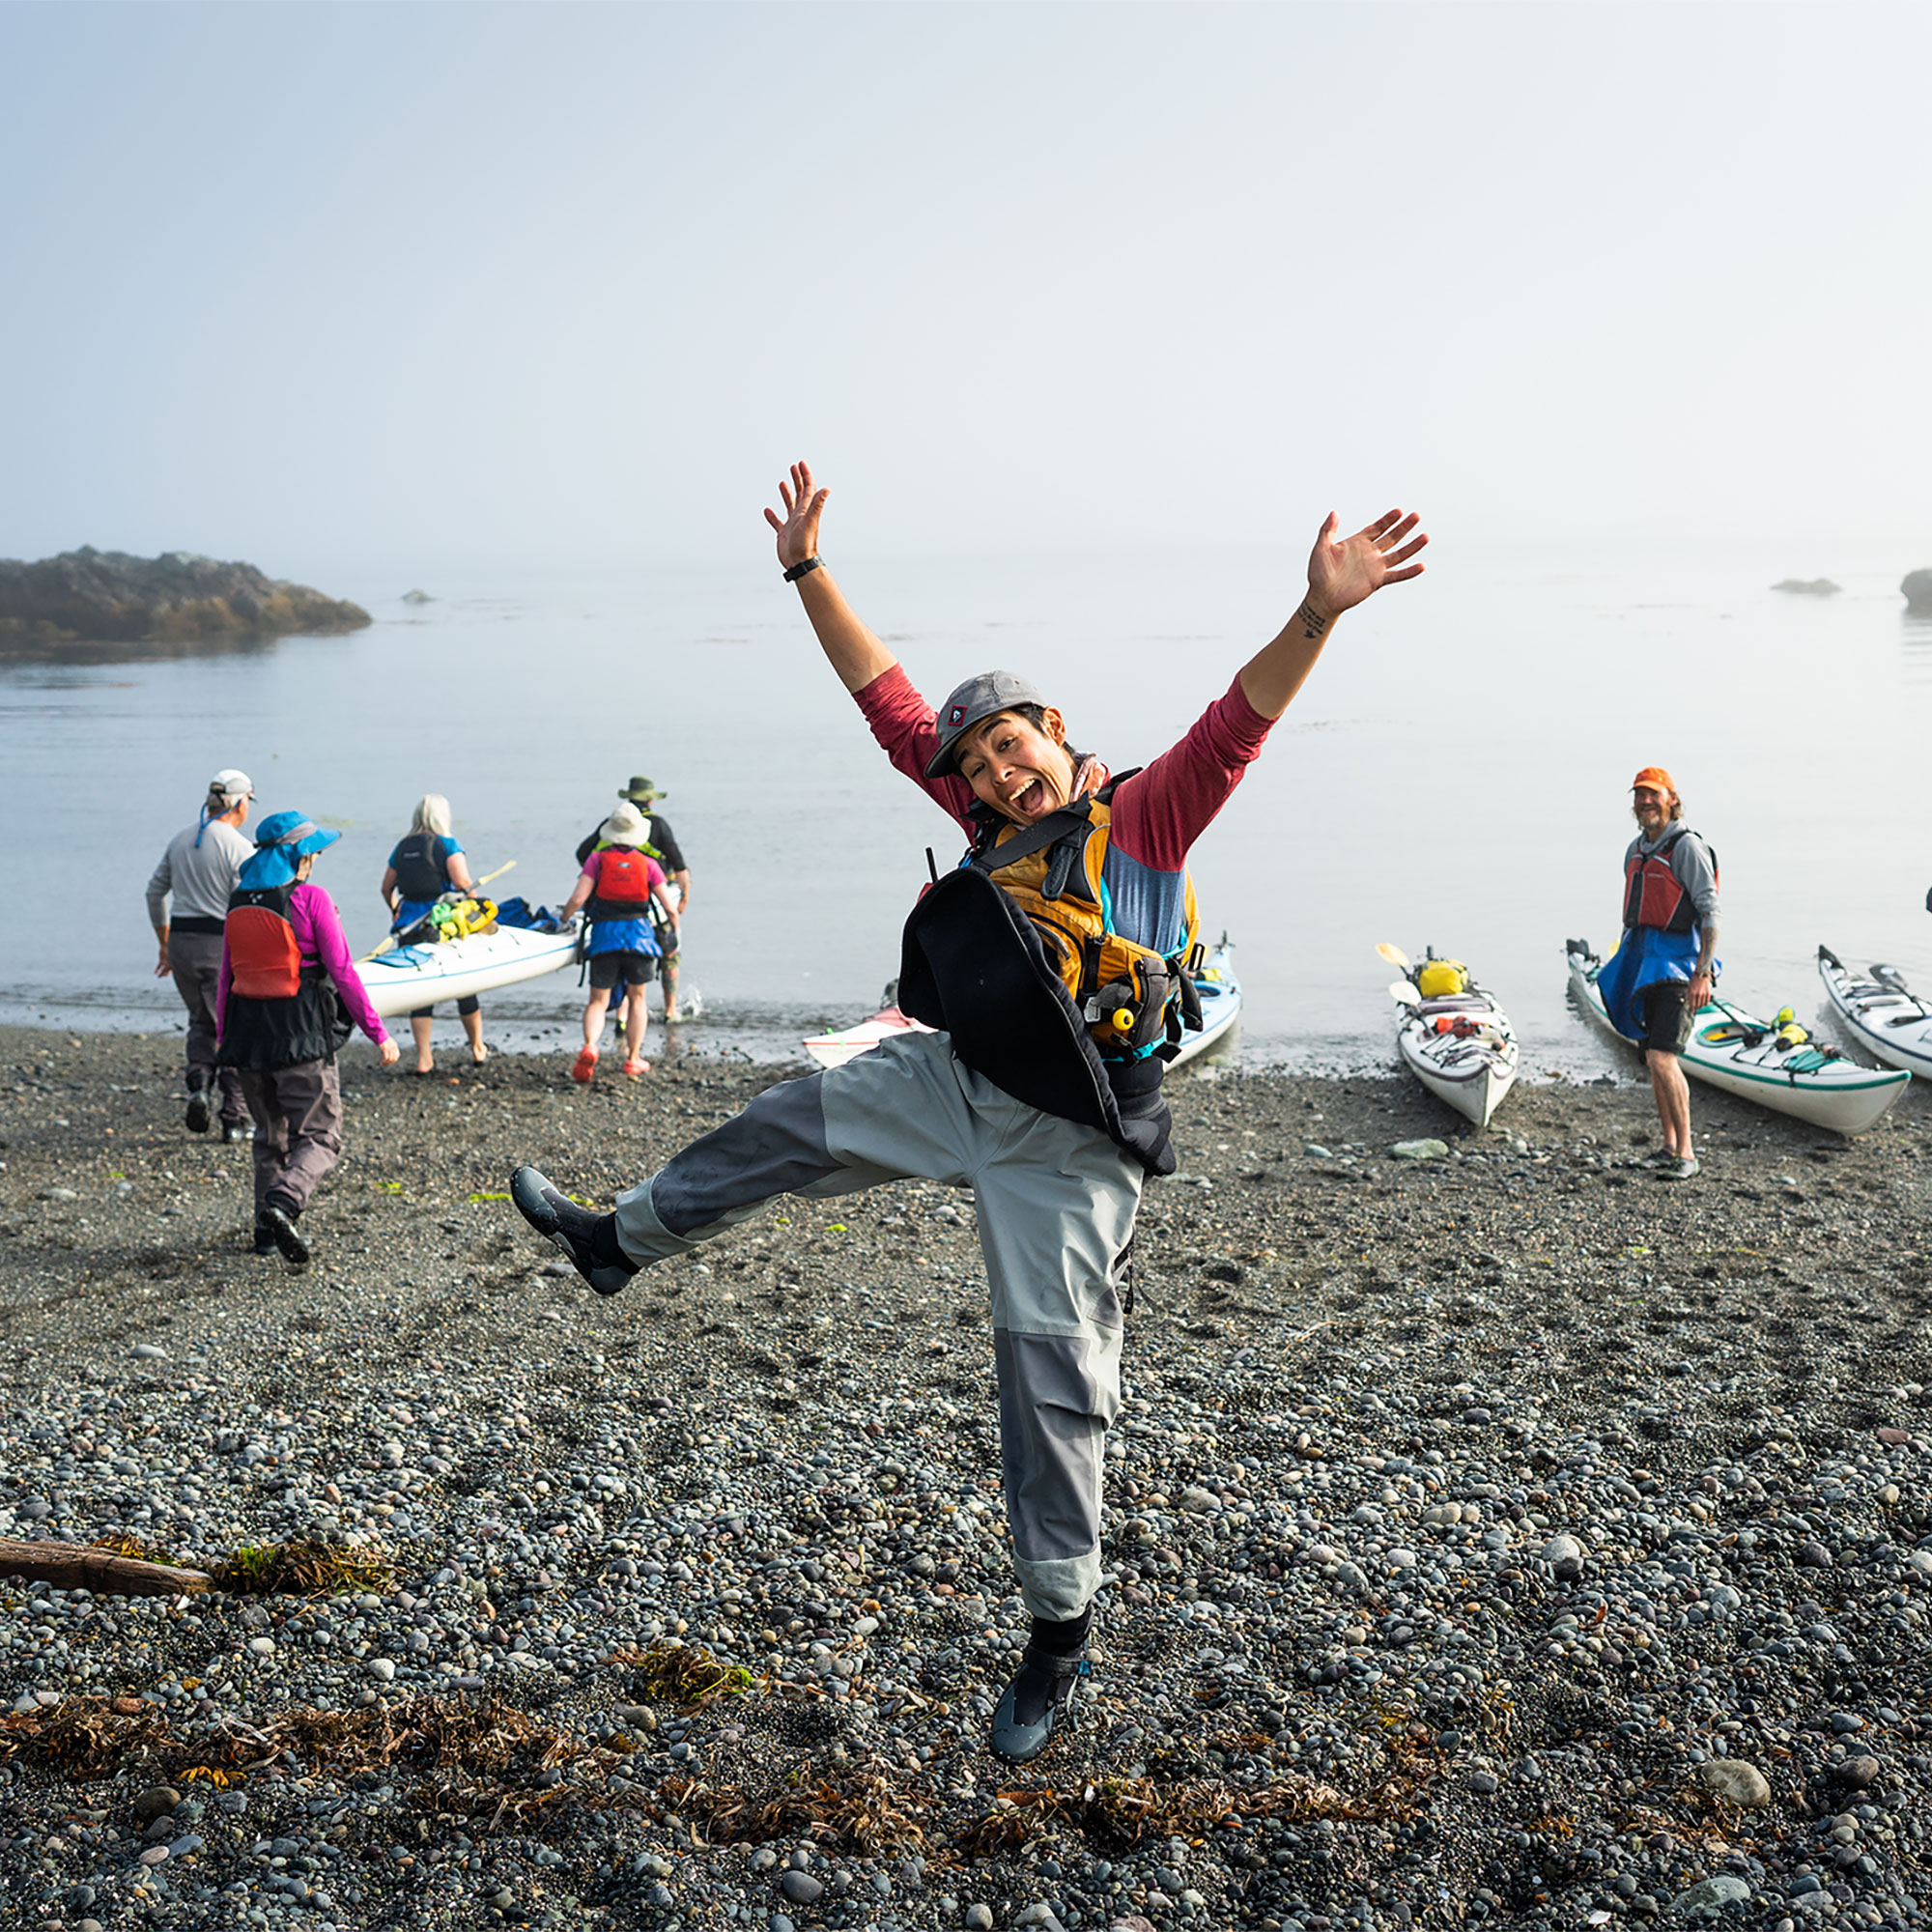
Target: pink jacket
[[318, 930]]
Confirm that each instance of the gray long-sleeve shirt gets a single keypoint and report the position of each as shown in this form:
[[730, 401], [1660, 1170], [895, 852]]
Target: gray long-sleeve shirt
[[200, 876], [1691, 863]]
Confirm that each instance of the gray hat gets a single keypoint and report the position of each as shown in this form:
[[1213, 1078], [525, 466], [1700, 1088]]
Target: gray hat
[[973, 703]]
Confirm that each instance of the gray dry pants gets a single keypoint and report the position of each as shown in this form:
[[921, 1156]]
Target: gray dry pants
[[1057, 1205], [298, 1115], [194, 958]]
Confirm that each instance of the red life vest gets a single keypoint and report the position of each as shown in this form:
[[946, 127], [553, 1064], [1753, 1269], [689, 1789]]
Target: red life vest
[[282, 1010], [262, 950], [623, 889], [1653, 894]]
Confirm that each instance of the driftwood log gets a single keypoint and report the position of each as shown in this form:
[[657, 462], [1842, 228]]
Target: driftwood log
[[76, 1566]]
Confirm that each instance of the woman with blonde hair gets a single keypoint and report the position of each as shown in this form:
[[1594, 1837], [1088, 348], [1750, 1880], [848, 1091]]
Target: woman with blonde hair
[[427, 862]]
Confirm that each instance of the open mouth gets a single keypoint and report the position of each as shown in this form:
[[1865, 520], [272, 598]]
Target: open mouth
[[1029, 800]]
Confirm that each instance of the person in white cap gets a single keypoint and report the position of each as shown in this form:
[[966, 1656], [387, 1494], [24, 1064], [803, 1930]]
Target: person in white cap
[[1054, 964], [198, 871]]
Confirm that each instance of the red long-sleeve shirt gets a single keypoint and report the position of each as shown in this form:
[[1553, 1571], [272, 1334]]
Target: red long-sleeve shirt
[[1157, 814]]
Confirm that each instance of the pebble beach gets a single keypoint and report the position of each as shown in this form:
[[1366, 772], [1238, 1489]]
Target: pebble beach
[[1495, 1533]]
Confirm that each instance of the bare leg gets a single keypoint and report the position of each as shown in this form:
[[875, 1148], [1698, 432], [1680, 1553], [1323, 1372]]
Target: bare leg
[[1672, 1094], [637, 1022], [593, 1015], [667, 973], [472, 1027], [419, 1026]]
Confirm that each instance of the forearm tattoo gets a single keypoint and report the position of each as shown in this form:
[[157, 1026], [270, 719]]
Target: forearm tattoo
[[1313, 624]]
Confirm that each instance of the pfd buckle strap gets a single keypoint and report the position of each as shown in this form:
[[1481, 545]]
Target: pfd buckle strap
[[994, 857]]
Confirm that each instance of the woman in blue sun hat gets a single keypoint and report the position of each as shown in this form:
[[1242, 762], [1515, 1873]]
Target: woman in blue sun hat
[[288, 997]]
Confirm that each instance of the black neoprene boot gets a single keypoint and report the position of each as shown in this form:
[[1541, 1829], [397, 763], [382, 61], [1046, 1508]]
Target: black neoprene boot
[[588, 1240], [1039, 1698], [279, 1219]]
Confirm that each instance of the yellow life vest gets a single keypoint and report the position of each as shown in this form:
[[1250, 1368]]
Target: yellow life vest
[[1132, 996]]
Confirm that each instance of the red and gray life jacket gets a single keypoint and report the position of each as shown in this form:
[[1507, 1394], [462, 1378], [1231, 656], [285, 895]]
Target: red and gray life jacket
[[282, 1010], [623, 888], [1652, 893]]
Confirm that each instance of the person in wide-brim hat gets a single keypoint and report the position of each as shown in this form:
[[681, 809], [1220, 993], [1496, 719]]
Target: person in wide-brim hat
[[662, 843], [287, 999]]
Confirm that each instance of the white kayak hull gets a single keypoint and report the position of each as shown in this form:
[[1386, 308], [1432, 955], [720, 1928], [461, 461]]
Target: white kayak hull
[[834, 1049], [1834, 1093], [408, 976], [1219, 988], [1472, 1073], [1882, 1014]]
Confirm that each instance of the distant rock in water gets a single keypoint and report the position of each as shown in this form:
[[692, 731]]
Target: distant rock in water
[[1807, 587], [93, 595], [417, 597], [1918, 589]]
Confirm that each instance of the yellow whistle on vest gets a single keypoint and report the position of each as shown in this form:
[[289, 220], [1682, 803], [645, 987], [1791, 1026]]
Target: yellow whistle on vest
[[1121, 1019]]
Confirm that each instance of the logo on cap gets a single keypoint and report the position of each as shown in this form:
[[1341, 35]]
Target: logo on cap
[[956, 715]]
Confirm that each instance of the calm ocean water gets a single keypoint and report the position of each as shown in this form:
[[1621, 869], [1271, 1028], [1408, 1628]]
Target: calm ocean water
[[1453, 774]]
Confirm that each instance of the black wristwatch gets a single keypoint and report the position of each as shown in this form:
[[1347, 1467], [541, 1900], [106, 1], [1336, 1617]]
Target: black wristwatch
[[804, 569]]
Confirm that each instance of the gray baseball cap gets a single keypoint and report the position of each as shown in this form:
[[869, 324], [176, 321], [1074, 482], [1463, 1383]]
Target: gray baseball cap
[[972, 703]]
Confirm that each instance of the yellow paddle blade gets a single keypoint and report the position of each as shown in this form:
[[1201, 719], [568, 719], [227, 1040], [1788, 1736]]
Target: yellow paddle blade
[[1394, 954]]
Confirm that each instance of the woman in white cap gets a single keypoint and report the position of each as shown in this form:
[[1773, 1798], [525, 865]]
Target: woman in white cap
[[1053, 963], [616, 890], [198, 871]]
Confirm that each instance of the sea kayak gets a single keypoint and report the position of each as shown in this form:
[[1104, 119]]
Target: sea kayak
[[1460, 1045], [1219, 988], [1758, 1060], [407, 976], [1884, 1014]]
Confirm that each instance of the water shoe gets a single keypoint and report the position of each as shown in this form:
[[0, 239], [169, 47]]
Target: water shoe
[[590, 1247], [585, 1065], [200, 1111], [1041, 1697]]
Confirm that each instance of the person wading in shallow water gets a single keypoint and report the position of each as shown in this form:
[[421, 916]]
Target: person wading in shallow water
[[1660, 978], [1054, 962], [659, 842]]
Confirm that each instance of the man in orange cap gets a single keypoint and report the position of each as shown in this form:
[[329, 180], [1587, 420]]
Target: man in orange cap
[[1660, 978]]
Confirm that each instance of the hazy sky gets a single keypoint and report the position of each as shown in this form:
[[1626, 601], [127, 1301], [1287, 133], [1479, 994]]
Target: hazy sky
[[337, 286]]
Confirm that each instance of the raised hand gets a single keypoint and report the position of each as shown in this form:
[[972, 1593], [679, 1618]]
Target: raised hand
[[1342, 575], [798, 528]]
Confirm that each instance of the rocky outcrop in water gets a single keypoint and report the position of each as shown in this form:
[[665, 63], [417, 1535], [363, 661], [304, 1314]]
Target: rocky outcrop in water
[[1807, 587], [90, 594], [1918, 589]]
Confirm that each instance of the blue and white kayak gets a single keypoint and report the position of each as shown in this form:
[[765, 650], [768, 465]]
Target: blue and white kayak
[[1776, 1065], [1881, 1011], [407, 976], [1219, 988]]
